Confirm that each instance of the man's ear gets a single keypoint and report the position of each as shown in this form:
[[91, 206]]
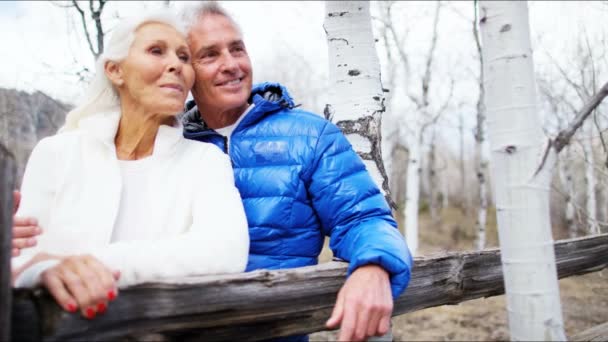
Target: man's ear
[[114, 73]]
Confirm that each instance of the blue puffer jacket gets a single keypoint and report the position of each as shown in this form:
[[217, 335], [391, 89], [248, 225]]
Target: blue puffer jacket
[[300, 180]]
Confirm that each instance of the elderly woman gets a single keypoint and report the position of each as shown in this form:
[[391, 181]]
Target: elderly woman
[[122, 197]]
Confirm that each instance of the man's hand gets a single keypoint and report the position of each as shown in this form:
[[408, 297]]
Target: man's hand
[[364, 305], [24, 228]]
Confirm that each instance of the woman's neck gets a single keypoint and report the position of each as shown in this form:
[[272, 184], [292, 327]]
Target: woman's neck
[[137, 132]]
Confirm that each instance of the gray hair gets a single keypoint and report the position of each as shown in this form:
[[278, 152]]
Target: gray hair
[[101, 96], [192, 14]]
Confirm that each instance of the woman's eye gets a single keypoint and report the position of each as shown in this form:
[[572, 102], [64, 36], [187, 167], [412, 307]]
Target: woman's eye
[[184, 58], [156, 51]]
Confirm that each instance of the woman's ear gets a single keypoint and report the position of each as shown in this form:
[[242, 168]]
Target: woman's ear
[[114, 73]]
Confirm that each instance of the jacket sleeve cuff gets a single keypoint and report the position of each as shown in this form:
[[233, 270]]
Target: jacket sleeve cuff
[[30, 277], [399, 271]]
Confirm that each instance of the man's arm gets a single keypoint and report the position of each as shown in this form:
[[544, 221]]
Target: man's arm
[[25, 229], [355, 215]]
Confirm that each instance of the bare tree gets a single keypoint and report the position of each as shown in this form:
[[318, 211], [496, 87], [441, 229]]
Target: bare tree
[[94, 37], [481, 163], [356, 96], [580, 79], [523, 184], [418, 94]]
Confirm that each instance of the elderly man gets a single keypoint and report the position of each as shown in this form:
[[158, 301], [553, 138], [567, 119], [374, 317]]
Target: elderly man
[[299, 179]]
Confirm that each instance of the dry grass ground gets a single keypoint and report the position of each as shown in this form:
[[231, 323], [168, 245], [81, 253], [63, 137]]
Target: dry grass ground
[[584, 298]]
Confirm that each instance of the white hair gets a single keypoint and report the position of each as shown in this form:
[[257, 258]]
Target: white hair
[[101, 96], [193, 13]]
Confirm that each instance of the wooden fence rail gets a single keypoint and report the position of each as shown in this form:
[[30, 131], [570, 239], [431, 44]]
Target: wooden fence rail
[[264, 304]]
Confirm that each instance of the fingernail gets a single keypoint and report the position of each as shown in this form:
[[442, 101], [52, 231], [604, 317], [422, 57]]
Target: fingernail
[[111, 295], [71, 307], [101, 308], [90, 313]]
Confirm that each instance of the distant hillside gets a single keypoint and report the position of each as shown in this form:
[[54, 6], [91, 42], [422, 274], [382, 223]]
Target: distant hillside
[[25, 119]]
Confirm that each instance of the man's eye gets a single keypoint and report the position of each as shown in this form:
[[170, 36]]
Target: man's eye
[[208, 55]]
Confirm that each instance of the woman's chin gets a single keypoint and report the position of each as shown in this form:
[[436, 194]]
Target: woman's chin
[[170, 110]]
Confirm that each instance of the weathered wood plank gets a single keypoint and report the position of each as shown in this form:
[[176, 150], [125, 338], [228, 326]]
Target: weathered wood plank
[[7, 184], [266, 304], [597, 333]]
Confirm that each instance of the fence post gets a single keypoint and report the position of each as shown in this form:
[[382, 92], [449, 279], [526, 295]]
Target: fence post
[[7, 183]]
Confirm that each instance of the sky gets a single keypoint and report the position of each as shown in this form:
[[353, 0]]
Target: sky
[[44, 45], [44, 48]]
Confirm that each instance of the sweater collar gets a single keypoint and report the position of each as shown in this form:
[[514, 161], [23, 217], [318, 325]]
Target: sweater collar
[[103, 127]]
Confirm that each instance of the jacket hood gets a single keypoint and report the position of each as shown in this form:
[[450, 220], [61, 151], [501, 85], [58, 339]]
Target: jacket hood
[[267, 98]]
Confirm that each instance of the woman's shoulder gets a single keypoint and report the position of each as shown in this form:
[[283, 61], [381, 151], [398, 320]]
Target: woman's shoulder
[[58, 141]]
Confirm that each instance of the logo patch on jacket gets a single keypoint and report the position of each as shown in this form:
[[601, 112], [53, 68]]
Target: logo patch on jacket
[[271, 151]]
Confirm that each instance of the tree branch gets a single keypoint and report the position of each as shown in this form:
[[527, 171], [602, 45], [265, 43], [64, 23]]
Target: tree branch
[[426, 79], [563, 138], [85, 27]]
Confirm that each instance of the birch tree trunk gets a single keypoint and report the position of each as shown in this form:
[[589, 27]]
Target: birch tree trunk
[[356, 96], [481, 164], [432, 180], [592, 224], [412, 195], [565, 176], [521, 187], [464, 204]]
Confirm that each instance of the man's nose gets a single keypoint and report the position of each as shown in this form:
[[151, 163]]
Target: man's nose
[[229, 62]]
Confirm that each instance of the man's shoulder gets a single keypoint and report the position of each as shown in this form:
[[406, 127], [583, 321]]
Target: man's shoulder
[[301, 117]]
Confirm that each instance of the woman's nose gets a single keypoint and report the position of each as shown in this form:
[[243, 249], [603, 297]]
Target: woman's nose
[[175, 64]]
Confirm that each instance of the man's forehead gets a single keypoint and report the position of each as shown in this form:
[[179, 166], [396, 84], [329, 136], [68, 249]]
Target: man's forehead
[[211, 43]]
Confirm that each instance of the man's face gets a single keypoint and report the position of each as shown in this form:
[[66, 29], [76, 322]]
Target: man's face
[[221, 65]]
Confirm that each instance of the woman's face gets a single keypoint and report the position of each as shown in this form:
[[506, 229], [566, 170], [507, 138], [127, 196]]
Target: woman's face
[[156, 75]]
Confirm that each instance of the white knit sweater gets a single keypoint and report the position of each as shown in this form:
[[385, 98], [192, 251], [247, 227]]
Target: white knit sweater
[[195, 223]]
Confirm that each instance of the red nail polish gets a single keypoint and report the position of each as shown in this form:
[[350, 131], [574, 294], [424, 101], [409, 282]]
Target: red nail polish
[[90, 313], [71, 307], [111, 295], [101, 308]]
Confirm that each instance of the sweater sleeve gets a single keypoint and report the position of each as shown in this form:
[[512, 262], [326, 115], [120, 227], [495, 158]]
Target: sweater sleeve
[[216, 242], [353, 211], [37, 192]]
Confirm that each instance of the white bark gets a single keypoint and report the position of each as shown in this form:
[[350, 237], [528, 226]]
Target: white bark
[[431, 171], [567, 182], [412, 195], [522, 193], [464, 204], [356, 97], [481, 163], [482, 211], [591, 202]]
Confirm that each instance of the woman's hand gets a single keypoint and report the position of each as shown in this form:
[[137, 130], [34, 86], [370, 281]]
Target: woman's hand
[[81, 282]]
